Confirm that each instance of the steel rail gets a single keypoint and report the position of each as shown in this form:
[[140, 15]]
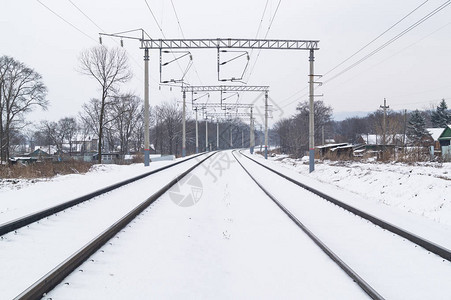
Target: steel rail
[[55, 276], [347, 269], [426, 244], [34, 217]]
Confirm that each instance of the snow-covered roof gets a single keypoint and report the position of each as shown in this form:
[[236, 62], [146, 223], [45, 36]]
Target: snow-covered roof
[[53, 149], [331, 145], [435, 132], [376, 139]]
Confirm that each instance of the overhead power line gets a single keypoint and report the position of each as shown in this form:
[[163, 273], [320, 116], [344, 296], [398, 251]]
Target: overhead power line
[[429, 15], [155, 19], [376, 38], [82, 12], [162, 33], [410, 28], [67, 22], [266, 35], [183, 35], [102, 30]]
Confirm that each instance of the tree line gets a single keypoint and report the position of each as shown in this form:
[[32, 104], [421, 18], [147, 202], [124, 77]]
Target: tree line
[[114, 118], [292, 132]]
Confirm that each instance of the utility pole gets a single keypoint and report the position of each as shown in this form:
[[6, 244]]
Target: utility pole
[[206, 134], [184, 126], [266, 125], [405, 129], [311, 116], [217, 134], [251, 134], [146, 109], [242, 139], [260, 138], [231, 138], [384, 128], [322, 135], [197, 133]]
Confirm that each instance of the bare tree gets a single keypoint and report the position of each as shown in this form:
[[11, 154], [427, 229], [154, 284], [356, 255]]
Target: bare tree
[[21, 89], [69, 128], [90, 119], [110, 68], [169, 128], [126, 115]]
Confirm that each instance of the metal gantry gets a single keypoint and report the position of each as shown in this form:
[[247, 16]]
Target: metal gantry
[[228, 43], [232, 43], [222, 89]]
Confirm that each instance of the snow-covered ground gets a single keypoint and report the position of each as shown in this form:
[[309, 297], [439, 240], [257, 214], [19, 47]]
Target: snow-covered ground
[[389, 263], [233, 242], [19, 197], [422, 189]]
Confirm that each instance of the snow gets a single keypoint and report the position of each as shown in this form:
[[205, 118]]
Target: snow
[[375, 254], [29, 253], [227, 246], [422, 189], [19, 197], [233, 242], [435, 132]]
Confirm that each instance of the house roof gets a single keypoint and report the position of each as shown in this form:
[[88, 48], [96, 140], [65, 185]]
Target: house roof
[[331, 146], [446, 134], [376, 139], [435, 132], [39, 152]]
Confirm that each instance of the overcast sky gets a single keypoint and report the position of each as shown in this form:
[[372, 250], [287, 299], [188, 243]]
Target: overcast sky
[[412, 72]]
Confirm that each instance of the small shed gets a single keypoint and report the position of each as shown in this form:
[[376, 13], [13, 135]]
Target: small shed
[[40, 155], [329, 148], [445, 137], [24, 160]]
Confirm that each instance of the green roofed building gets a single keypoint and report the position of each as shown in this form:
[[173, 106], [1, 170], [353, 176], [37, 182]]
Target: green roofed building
[[445, 137]]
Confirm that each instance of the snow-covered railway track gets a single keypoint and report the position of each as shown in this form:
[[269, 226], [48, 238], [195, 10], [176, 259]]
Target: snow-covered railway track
[[428, 245], [36, 216], [382, 262], [37, 258]]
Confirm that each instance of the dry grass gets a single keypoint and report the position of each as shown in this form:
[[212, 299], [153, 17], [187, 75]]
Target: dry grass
[[44, 169]]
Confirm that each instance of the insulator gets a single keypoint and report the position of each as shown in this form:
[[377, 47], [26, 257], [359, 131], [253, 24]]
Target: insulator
[[100, 40], [122, 43]]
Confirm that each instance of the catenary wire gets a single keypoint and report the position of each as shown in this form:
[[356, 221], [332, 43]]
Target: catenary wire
[[183, 35], [161, 30], [259, 27], [67, 22], [376, 38], [266, 35], [429, 15], [413, 26]]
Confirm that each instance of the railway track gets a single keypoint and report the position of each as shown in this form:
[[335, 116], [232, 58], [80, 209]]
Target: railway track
[[26, 220], [426, 244], [345, 249], [58, 273]]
